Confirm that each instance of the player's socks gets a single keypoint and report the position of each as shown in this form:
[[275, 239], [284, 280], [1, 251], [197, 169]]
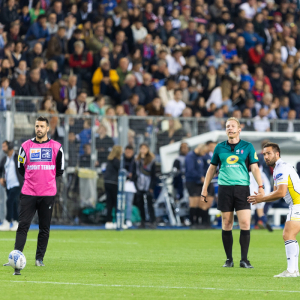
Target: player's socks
[[291, 249], [198, 215], [244, 242], [192, 215], [263, 219], [205, 217], [227, 243], [297, 257]]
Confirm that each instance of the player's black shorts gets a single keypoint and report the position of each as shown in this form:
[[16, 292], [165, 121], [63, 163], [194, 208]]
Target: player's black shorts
[[194, 189], [233, 197]]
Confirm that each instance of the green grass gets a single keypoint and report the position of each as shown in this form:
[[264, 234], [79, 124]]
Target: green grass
[[158, 264]]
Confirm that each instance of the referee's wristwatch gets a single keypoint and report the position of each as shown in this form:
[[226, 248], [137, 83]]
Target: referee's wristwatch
[[261, 186]]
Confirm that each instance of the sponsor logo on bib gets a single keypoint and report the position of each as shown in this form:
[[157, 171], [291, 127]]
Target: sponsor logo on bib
[[232, 159], [40, 154]]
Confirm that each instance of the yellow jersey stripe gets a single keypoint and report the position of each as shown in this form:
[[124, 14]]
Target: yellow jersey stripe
[[295, 196]]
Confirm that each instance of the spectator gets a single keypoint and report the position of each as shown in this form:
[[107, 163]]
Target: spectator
[[115, 55], [57, 48], [35, 11], [166, 93], [122, 71], [9, 13], [140, 125], [25, 20], [284, 108], [209, 82], [131, 104], [51, 24], [148, 89], [295, 99], [111, 183], [97, 106], [58, 10], [130, 88], [175, 62], [36, 85], [268, 105], [176, 105], [247, 125], [21, 69], [258, 90], [125, 27], [59, 92], [111, 124], [34, 53], [77, 36], [105, 80], [261, 122], [290, 126], [79, 105], [143, 176], [187, 124], [6, 91], [139, 32], [99, 40], [137, 71], [38, 31], [104, 144], [72, 87], [276, 81], [250, 8], [215, 10], [20, 87], [251, 38], [155, 108], [188, 36], [52, 71], [85, 158], [162, 71], [215, 122], [256, 54], [84, 137], [81, 62]]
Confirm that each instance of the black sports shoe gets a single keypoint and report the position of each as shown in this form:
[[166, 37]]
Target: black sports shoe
[[17, 272], [269, 227], [228, 263], [39, 263], [245, 264]]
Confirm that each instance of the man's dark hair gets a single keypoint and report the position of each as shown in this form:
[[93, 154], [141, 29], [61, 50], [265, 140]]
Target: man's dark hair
[[43, 119], [176, 90], [77, 31], [274, 146], [42, 16], [129, 147], [210, 142]]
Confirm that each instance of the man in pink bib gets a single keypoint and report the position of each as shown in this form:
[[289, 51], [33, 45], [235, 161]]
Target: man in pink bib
[[40, 161]]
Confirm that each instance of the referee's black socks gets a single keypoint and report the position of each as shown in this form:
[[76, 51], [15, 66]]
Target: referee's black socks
[[227, 243], [244, 242]]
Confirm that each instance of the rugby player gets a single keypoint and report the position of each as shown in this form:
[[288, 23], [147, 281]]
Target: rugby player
[[234, 157], [287, 186]]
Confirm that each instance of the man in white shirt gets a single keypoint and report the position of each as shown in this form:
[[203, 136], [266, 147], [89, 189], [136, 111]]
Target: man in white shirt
[[79, 104], [249, 8], [261, 121], [175, 62], [175, 107]]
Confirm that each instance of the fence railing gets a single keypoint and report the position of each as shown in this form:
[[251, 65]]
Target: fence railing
[[88, 139]]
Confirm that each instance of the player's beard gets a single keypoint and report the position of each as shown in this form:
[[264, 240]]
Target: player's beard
[[41, 135], [271, 163]]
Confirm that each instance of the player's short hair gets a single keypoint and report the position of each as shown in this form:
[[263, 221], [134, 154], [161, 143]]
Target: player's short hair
[[234, 119], [43, 119], [274, 146]]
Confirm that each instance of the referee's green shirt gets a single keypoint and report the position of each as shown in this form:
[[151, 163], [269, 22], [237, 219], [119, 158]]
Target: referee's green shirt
[[234, 162]]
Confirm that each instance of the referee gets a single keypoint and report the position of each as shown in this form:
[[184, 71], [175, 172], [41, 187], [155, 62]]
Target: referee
[[40, 161], [234, 157]]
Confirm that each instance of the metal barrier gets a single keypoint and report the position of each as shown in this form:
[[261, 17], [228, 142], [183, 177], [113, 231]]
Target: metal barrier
[[88, 139]]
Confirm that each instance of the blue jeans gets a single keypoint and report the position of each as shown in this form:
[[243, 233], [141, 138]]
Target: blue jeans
[[129, 200]]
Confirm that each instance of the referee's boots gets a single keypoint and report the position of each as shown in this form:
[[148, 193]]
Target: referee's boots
[[246, 264], [228, 263]]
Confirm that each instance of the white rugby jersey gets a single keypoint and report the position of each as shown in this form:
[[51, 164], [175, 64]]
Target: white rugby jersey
[[284, 173]]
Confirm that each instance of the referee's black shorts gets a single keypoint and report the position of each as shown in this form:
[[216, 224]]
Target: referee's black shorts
[[194, 189], [233, 197]]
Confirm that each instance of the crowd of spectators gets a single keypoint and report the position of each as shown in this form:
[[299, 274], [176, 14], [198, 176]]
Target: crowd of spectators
[[214, 58]]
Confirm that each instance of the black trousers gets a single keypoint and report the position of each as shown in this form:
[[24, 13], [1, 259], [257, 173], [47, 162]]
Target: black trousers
[[12, 203], [111, 191], [140, 201], [28, 207]]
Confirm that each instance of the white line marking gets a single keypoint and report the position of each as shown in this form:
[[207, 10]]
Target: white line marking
[[149, 286], [77, 241]]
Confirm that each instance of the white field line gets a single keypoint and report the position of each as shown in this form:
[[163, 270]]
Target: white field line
[[149, 286], [77, 241]]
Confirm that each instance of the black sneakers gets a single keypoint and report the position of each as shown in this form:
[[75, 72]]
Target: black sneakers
[[245, 264], [17, 272], [39, 263], [228, 263]]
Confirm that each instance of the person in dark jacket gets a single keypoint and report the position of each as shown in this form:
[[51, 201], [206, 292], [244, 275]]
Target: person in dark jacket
[[36, 85], [143, 176], [148, 90], [111, 183], [104, 144], [128, 159], [194, 177], [179, 168], [11, 179]]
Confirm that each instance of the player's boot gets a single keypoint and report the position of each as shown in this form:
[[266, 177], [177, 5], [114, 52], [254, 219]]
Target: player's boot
[[269, 227], [17, 272], [6, 265], [39, 263], [14, 226], [246, 264], [228, 263], [286, 273]]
